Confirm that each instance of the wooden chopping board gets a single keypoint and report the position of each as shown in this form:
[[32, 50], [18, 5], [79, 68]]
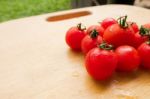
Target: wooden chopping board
[[36, 63]]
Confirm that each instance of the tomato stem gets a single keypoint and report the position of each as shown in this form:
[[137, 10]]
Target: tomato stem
[[81, 27], [106, 46], [94, 33], [123, 21], [144, 31]]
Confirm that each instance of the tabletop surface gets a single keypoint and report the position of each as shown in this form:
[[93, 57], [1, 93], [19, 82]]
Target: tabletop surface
[[36, 63]]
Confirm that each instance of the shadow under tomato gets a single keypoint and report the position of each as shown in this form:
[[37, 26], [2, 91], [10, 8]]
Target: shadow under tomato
[[138, 75], [96, 86], [117, 80], [127, 76]]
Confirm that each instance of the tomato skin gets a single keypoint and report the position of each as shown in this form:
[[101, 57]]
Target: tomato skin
[[100, 64], [108, 22], [147, 25], [117, 36], [128, 58], [139, 40], [98, 28], [144, 52], [74, 37], [89, 43]]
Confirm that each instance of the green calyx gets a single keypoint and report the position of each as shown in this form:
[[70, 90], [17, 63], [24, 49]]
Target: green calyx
[[106, 46], [123, 21], [81, 27], [144, 31], [93, 33]]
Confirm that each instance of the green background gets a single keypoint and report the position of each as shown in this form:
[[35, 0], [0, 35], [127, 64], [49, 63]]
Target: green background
[[12, 9]]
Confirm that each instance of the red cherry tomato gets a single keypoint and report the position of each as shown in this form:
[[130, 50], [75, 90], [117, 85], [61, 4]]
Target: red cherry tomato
[[141, 36], [101, 63], [134, 26], [108, 22], [139, 39], [90, 41], [117, 36], [128, 58], [98, 28], [144, 52], [74, 37]]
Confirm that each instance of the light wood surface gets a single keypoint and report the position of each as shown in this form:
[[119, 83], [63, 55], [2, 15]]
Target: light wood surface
[[36, 63]]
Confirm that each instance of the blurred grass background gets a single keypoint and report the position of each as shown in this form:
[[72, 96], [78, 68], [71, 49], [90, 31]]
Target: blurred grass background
[[12, 9]]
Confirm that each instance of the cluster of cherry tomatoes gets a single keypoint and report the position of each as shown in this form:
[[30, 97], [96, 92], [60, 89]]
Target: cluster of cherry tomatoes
[[113, 45]]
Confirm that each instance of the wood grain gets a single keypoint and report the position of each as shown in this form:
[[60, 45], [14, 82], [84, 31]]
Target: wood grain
[[35, 62]]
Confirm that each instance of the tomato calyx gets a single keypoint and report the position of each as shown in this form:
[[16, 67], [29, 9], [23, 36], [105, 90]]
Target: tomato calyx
[[106, 46], [93, 33], [123, 21], [144, 31], [81, 27]]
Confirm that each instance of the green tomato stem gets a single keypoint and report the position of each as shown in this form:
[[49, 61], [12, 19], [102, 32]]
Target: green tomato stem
[[81, 27], [144, 31], [94, 33], [123, 21], [105, 46]]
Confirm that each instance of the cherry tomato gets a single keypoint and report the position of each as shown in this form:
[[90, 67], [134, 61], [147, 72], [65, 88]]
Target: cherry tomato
[[119, 34], [101, 63], [108, 22], [128, 58], [74, 37], [139, 39], [90, 41], [134, 26], [144, 52], [98, 28], [141, 36]]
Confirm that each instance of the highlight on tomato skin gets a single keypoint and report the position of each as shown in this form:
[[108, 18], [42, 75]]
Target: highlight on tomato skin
[[144, 52], [101, 63], [74, 37], [128, 58]]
